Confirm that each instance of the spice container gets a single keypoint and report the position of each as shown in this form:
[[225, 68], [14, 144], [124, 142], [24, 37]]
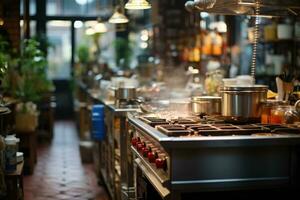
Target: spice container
[[11, 150], [267, 106], [278, 114]]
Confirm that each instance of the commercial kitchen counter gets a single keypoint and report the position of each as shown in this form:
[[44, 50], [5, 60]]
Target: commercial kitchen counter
[[189, 164]]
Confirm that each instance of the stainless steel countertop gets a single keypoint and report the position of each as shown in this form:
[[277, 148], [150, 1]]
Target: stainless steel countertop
[[213, 141], [120, 111], [96, 95]]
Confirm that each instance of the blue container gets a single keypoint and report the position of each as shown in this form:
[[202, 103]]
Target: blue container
[[98, 125]]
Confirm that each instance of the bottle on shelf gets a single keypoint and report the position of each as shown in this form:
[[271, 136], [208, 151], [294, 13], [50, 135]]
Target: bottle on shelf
[[196, 50], [207, 44], [217, 43]]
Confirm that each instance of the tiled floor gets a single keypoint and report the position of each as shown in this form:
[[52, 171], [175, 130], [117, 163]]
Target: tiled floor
[[59, 173]]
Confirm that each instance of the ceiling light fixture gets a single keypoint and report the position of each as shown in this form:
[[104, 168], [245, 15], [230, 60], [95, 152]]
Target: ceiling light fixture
[[89, 31], [83, 2], [137, 5], [100, 27], [1, 21], [78, 24], [118, 17]]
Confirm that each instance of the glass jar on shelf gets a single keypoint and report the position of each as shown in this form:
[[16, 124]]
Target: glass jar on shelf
[[278, 114], [267, 107]]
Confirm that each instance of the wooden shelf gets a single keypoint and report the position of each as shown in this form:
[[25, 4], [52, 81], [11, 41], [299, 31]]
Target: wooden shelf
[[18, 171], [14, 183], [276, 41]]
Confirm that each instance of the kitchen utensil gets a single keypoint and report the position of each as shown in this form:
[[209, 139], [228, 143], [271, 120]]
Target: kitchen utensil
[[279, 84], [288, 89], [291, 116], [243, 102], [206, 105], [125, 93]]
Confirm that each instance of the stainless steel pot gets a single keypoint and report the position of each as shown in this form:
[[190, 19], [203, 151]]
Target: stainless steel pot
[[243, 102], [126, 93], [206, 105]]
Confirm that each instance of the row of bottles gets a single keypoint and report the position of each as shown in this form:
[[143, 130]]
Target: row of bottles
[[204, 44]]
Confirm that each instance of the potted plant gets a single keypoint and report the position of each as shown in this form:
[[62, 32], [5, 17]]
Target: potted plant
[[4, 59], [26, 116], [83, 56], [124, 52], [32, 84]]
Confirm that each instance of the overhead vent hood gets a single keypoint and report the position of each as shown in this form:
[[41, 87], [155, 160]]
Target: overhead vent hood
[[245, 7]]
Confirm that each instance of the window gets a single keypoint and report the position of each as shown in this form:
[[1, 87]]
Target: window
[[78, 7], [32, 7], [59, 54]]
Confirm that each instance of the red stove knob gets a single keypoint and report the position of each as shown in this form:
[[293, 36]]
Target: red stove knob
[[134, 142], [152, 155], [139, 146], [161, 163], [145, 151]]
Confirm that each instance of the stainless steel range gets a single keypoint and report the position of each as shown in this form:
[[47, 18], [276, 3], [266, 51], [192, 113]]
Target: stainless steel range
[[182, 156]]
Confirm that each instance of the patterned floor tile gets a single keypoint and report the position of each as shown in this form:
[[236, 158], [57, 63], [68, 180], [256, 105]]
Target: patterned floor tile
[[59, 173]]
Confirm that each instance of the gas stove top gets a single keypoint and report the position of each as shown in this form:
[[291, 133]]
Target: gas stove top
[[179, 127], [209, 154]]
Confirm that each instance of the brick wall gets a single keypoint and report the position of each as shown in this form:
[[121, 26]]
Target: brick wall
[[10, 11]]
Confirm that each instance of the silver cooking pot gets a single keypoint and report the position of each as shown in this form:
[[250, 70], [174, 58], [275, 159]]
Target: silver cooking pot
[[206, 105], [125, 93], [243, 102]]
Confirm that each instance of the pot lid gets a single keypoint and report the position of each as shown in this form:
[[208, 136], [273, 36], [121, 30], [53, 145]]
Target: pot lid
[[205, 98], [245, 88]]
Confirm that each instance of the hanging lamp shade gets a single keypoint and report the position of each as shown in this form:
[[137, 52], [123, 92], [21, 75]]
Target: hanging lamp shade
[[137, 5], [118, 17], [89, 31], [100, 27]]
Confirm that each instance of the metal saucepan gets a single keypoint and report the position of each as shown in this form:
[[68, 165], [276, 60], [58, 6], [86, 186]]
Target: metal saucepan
[[243, 102], [206, 105], [125, 93]]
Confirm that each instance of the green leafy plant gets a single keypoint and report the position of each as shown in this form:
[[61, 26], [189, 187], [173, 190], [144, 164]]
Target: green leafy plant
[[124, 52], [4, 56], [31, 74], [83, 54]]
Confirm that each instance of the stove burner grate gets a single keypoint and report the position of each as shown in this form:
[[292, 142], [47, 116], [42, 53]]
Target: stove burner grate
[[154, 121], [174, 130], [211, 129], [212, 126]]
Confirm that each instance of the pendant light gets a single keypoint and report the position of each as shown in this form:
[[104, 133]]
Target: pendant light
[[89, 31], [1, 16], [118, 17], [137, 5], [100, 27], [1, 21]]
